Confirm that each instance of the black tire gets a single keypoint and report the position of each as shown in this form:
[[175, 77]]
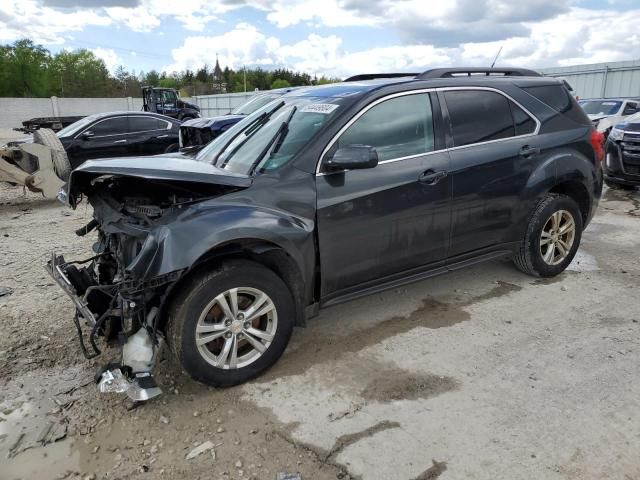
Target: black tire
[[174, 147], [193, 299], [48, 138], [617, 186], [529, 258]]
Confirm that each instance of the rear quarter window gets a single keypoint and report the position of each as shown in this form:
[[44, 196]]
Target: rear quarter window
[[558, 98]]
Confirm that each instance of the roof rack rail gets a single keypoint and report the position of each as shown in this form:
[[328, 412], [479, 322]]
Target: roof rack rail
[[373, 76], [473, 71]]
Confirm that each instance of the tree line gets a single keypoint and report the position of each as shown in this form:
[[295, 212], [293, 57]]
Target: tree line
[[30, 70]]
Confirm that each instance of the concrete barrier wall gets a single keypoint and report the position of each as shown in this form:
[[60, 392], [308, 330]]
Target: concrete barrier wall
[[13, 111]]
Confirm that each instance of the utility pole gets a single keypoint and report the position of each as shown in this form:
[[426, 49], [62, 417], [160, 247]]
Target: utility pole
[[244, 69]]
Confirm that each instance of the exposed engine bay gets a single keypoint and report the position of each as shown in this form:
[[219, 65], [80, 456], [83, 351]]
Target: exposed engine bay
[[119, 300]]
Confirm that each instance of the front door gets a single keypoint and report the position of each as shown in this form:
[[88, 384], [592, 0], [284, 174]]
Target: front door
[[103, 139], [382, 221]]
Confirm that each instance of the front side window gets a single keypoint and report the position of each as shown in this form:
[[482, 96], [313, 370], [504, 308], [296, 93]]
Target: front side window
[[478, 116], [169, 96], [396, 128], [110, 126]]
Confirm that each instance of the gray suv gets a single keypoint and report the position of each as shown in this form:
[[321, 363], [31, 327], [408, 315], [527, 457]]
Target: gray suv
[[322, 196]]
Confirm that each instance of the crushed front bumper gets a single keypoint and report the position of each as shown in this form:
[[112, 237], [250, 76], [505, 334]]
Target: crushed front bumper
[[55, 267]]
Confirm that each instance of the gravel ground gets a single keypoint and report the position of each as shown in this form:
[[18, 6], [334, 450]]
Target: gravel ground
[[481, 374]]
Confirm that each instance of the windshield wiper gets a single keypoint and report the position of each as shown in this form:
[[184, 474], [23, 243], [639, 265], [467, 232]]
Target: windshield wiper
[[250, 129], [275, 142]]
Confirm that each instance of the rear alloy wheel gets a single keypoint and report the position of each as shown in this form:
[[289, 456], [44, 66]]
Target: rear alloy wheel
[[230, 325], [557, 237], [552, 237]]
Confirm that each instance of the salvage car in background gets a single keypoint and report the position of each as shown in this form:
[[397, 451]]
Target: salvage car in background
[[199, 132], [622, 164], [119, 134], [606, 112], [320, 197]]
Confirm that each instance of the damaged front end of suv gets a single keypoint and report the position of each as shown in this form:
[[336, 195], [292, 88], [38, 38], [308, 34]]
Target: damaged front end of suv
[[138, 257]]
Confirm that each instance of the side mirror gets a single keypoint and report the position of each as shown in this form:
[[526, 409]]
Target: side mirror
[[352, 157], [87, 135]]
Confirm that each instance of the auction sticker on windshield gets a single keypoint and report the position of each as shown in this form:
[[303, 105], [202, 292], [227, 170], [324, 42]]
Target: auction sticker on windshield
[[319, 108]]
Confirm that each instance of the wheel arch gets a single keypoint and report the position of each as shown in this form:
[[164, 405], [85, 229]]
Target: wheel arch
[[579, 193], [263, 252]]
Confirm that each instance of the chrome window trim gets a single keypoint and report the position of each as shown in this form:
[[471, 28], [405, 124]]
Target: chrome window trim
[[488, 142], [427, 90], [362, 112], [168, 127]]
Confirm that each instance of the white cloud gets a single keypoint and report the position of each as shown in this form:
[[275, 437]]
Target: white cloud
[[30, 19], [109, 56], [244, 45], [576, 36]]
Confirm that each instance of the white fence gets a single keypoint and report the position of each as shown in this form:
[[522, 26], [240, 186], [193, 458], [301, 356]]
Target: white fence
[[13, 111]]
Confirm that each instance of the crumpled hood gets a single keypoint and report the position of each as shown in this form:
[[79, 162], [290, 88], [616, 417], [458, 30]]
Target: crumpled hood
[[213, 123], [169, 167]]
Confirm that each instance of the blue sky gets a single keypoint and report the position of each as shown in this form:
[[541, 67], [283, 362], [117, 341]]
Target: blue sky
[[331, 37]]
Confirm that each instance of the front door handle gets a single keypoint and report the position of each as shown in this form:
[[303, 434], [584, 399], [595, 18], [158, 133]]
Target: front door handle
[[529, 151], [162, 136], [431, 177], [120, 141]]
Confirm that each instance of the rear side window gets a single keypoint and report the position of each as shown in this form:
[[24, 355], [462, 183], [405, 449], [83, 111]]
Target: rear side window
[[143, 124], [398, 127], [110, 126], [559, 98], [523, 122], [478, 116]]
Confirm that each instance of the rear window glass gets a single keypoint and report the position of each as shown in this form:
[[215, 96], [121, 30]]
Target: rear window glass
[[478, 116], [143, 124], [559, 98]]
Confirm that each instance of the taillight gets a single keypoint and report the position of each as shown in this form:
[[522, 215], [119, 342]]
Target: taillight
[[597, 142]]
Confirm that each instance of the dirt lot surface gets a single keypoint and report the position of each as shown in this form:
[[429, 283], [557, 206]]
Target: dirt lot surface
[[481, 374]]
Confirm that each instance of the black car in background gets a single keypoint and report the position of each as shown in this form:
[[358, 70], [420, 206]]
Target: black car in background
[[325, 195], [119, 134], [200, 131], [622, 161]]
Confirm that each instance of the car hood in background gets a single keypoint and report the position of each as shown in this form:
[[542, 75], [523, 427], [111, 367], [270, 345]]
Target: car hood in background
[[214, 123], [629, 127]]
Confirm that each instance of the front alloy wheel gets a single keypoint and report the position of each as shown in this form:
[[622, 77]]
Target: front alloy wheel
[[230, 324], [236, 327]]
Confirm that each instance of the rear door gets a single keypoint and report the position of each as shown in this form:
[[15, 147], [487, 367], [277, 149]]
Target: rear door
[[149, 135], [494, 148], [104, 138], [378, 222]]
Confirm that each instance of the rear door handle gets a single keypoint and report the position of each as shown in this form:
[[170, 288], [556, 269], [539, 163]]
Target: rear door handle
[[431, 177], [529, 151], [162, 136], [120, 141]]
